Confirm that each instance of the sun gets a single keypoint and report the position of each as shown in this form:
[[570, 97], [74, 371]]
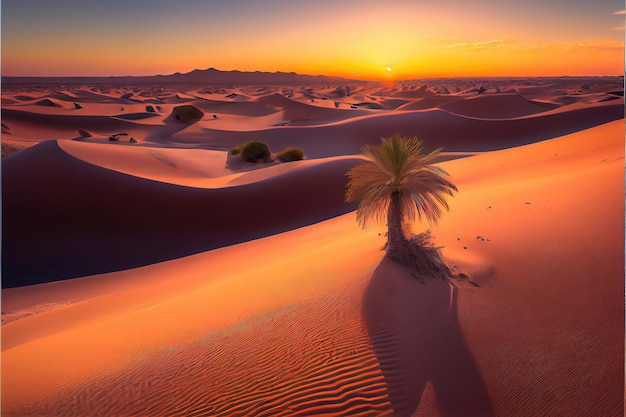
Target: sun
[[388, 69]]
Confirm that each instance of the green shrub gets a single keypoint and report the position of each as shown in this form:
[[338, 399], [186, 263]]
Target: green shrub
[[235, 151], [255, 150], [291, 154], [188, 113]]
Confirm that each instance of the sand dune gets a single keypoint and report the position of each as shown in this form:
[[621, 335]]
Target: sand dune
[[497, 106], [231, 121], [246, 108], [546, 268], [321, 369], [428, 102], [165, 279], [392, 104], [435, 127], [140, 221], [301, 112], [421, 92], [341, 335], [37, 126], [197, 168]]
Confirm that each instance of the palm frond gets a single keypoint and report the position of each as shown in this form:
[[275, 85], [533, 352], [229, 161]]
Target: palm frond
[[373, 206], [428, 190], [362, 178], [398, 165]]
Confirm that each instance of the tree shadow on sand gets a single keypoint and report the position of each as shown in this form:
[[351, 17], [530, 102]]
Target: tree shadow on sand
[[415, 334]]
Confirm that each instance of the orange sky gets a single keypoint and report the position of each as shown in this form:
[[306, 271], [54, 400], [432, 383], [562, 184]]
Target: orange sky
[[357, 39]]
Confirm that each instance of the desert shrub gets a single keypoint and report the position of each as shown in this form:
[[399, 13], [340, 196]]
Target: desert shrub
[[255, 150], [235, 151], [291, 154], [188, 113]]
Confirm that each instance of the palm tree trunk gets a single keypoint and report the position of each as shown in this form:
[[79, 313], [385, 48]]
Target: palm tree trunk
[[395, 235]]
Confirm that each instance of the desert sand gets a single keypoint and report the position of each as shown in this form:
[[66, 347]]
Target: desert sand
[[147, 272]]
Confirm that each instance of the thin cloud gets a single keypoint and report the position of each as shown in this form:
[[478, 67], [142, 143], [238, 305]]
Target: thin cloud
[[601, 44], [620, 12], [609, 45], [484, 45], [619, 28], [442, 40]]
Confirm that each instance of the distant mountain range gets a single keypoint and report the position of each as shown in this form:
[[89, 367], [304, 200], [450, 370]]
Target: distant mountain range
[[209, 76]]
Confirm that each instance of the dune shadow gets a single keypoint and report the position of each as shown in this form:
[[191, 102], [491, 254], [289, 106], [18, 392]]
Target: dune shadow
[[416, 337], [69, 219]]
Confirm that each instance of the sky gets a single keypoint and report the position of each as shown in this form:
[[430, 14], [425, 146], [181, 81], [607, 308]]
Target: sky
[[362, 39]]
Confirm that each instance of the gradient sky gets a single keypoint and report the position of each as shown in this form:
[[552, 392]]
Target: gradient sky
[[353, 38]]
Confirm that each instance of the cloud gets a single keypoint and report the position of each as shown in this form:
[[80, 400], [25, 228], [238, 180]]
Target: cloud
[[601, 44], [457, 45], [620, 12], [484, 45], [439, 40], [619, 28]]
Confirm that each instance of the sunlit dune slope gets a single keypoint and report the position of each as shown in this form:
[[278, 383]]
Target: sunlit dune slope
[[189, 167], [542, 226]]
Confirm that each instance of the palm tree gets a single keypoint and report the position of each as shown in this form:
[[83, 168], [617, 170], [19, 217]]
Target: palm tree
[[398, 184]]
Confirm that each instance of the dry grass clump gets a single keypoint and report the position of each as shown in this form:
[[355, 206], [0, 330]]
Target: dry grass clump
[[188, 113], [291, 154], [254, 151]]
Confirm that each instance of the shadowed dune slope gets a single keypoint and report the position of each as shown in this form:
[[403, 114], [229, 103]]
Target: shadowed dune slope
[[297, 111], [67, 218], [242, 108], [57, 126], [419, 344], [428, 102], [497, 106]]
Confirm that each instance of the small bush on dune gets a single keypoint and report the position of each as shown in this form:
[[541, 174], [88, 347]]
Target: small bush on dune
[[291, 154], [188, 113], [255, 150]]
